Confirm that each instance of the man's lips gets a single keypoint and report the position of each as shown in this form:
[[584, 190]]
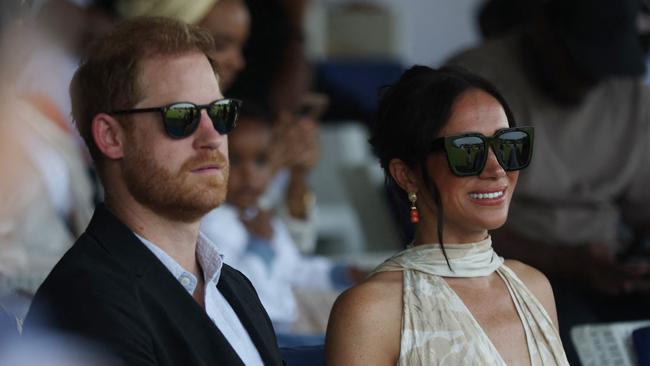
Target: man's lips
[[207, 168], [206, 164]]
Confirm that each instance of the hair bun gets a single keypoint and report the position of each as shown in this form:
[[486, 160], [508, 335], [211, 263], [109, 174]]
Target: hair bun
[[415, 71]]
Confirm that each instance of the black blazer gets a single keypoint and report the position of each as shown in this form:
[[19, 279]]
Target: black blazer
[[110, 288]]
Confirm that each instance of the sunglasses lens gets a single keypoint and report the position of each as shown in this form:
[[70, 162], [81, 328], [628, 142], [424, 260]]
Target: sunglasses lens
[[224, 114], [181, 119], [466, 154], [513, 149]]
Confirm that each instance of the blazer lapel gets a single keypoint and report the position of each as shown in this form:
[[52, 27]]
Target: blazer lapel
[[199, 331], [252, 315]]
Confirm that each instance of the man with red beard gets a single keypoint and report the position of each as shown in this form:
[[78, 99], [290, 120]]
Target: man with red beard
[[142, 281]]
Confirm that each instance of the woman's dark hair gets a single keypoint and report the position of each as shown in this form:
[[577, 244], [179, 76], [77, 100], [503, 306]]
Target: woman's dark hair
[[411, 114]]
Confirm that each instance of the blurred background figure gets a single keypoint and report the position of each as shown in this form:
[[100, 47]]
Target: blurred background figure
[[46, 190], [277, 72], [277, 77], [229, 23], [297, 291], [499, 17], [227, 20], [582, 214], [643, 22]]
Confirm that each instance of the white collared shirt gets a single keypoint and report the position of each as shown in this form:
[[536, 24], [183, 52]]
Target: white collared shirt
[[216, 306]]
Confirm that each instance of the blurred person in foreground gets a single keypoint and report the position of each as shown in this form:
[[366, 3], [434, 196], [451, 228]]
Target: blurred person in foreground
[[25, 211], [297, 291], [142, 281], [64, 30], [46, 197], [582, 211], [450, 147]]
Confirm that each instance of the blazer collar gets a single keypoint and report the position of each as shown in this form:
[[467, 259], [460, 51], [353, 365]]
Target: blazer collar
[[119, 241]]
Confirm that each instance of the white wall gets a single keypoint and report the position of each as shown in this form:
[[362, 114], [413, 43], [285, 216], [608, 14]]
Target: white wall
[[435, 29], [428, 31]]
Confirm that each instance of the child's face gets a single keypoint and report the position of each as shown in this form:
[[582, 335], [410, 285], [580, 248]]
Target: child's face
[[250, 166]]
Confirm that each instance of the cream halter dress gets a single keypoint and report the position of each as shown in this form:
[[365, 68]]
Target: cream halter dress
[[437, 327]]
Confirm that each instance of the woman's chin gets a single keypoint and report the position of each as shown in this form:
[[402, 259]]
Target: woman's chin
[[494, 224]]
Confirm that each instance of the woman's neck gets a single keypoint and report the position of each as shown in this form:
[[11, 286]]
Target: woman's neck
[[428, 234]]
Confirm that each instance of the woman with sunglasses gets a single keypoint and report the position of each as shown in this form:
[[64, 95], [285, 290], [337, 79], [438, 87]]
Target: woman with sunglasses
[[448, 144]]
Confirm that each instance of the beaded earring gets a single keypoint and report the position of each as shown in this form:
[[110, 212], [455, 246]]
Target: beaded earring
[[415, 216]]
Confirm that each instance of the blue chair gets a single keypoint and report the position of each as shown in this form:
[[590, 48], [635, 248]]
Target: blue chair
[[641, 339], [304, 356], [353, 85]]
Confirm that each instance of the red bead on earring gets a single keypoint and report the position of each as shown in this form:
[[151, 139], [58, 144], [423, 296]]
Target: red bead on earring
[[415, 216]]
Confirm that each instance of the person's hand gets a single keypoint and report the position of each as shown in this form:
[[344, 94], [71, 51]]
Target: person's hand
[[295, 144], [596, 265], [296, 148], [258, 223], [305, 149], [279, 153]]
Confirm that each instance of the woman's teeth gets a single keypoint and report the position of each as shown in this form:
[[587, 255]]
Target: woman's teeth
[[483, 196]]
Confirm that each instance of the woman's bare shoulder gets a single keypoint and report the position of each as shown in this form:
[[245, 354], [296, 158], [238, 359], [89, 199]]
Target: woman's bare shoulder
[[365, 322], [535, 280], [371, 298]]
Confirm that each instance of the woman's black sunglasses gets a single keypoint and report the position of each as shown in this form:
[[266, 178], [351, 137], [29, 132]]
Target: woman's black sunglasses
[[468, 152], [181, 119]]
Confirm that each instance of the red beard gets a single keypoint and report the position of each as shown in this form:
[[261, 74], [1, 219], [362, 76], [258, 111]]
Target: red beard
[[179, 196]]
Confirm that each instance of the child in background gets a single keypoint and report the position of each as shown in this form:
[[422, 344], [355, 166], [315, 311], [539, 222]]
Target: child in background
[[256, 242]]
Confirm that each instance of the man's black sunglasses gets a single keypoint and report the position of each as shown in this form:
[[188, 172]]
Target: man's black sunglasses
[[182, 118], [468, 152]]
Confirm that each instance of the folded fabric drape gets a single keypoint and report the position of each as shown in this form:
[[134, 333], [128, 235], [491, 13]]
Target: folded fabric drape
[[437, 327]]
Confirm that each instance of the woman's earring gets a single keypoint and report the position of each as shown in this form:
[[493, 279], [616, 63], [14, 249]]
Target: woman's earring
[[415, 216]]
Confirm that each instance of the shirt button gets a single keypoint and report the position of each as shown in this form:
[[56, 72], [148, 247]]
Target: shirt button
[[185, 281]]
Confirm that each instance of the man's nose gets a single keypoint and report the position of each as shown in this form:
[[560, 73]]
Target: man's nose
[[206, 136]]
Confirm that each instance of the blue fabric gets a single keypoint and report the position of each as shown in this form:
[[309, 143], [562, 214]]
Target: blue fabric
[[353, 85], [304, 356], [299, 340], [340, 277], [262, 248], [641, 339], [8, 324]]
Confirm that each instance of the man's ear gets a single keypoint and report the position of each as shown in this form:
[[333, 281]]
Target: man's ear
[[403, 175], [108, 135]]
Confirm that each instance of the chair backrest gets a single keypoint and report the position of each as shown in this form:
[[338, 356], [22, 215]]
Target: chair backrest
[[603, 344], [641, 339], [304, 356]]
